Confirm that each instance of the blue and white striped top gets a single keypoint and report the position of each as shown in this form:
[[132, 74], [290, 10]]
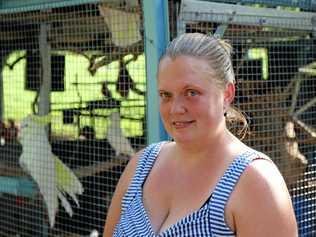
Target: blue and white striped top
[[208, 221]]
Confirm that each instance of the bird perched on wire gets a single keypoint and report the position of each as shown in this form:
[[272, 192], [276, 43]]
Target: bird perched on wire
[[116, 138], [54, 179]]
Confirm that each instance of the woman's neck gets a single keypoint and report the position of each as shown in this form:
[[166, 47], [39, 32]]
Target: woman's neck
[[206, 148]]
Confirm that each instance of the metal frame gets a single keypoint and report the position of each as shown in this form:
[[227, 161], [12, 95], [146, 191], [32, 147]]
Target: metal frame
[[245, 15], [32, 5], [156, 26], [307, 5]]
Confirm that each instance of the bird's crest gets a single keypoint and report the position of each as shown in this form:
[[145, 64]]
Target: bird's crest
[[31, 122]]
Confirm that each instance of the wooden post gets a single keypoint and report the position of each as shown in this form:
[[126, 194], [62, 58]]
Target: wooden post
[[45, 89]]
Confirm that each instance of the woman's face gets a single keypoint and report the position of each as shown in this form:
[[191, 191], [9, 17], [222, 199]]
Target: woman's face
[[191, 104]]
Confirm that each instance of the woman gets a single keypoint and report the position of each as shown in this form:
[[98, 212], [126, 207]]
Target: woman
[[206, 182]]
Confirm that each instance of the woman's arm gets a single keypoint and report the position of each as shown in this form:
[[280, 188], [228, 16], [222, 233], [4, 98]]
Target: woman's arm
[[262, 206], [114, 210]]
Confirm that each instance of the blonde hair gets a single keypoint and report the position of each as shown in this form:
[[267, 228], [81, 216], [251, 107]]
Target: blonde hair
[[217, 53]]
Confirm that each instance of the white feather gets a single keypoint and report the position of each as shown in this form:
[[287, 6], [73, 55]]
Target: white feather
[[65, 203], [116, 137], [94, 233], [67, 181], [52, 176]]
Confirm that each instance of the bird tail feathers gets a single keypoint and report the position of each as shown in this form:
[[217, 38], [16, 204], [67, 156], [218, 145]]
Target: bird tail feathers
[[65, 203], [67, 183], [52, 207]]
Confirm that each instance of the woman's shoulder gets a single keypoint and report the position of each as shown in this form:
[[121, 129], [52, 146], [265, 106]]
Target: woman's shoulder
[[261, 199], [261, 177], [262, 173], [149, 152]]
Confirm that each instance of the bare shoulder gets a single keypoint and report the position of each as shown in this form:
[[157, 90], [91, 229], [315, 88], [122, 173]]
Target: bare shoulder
[[129, 171], [128, 174], [261, 203], [114, 211]]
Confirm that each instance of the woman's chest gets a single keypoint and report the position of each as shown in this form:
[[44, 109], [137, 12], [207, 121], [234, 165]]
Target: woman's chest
[[135, 222], [168, 199]]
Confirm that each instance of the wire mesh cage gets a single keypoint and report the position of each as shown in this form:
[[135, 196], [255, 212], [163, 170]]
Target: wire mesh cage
[[72, 89], [72, 86], [274, 64]]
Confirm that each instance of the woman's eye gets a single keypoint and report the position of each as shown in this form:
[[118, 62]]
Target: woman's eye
[[192, 93], [164, 95]]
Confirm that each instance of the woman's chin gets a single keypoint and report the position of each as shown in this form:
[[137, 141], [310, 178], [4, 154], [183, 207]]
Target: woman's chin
[[184, 139]]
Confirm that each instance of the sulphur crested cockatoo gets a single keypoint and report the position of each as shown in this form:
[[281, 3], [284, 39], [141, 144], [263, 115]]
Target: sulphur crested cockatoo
[[54, 179], [116, 138]]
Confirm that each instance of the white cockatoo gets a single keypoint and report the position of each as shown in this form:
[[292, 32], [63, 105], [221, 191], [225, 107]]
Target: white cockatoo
[[116, 138], [53, 177]]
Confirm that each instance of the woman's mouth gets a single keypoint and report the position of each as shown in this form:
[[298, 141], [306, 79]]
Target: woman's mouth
[[182, 124]]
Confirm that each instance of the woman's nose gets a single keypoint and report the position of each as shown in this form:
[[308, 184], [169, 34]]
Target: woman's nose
[[178, 106]]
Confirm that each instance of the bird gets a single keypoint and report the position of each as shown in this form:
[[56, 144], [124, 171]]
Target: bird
[[116, 138], [54, 179]]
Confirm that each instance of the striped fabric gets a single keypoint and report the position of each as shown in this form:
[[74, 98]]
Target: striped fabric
[[206, 222]]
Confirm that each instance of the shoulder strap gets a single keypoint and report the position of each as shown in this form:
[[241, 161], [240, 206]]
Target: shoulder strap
[[224, 189], [144, 165]]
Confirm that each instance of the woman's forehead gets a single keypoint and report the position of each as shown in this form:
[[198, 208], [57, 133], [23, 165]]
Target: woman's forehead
[[182, 78], [185, 65], [185, 62]]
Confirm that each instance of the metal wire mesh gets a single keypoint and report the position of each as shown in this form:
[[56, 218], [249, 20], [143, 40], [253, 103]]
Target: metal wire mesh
[[276, 83], [84, 65]]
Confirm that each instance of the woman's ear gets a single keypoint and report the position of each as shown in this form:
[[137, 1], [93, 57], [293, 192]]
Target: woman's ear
[[229, 94]]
